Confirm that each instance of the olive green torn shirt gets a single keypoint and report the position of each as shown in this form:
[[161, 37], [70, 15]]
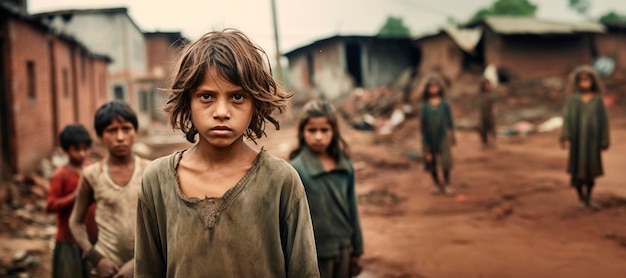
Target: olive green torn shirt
[[333, 203], [260, 228]]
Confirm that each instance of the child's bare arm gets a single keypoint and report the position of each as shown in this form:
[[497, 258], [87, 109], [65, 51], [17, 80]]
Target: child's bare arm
[[84, 199]]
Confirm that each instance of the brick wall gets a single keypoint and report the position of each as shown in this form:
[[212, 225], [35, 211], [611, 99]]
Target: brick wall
[[441, 54], [69, 85], [32, 116], [613, 45], [528, 57]]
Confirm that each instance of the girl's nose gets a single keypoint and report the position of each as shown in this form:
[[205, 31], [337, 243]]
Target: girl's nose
[[221, 110]]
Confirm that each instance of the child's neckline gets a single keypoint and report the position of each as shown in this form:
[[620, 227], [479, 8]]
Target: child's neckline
[[108, 177]]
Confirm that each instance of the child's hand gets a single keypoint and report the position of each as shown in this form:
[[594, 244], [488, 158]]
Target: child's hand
[[106, 268], [126, 271], [563, 144], [355, 266]]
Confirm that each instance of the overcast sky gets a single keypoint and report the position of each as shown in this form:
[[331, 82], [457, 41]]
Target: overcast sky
[[304, 21]]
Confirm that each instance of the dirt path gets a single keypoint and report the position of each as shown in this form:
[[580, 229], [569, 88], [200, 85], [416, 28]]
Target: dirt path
[[515, 215]]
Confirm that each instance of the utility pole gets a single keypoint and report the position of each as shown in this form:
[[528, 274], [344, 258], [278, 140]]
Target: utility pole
[[279, 67]]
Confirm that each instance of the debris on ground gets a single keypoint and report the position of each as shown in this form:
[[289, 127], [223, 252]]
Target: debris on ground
[[551, 124]]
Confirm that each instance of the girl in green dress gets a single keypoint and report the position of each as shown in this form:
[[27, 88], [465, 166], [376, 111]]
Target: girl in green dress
[[585, 131], [437, 133]]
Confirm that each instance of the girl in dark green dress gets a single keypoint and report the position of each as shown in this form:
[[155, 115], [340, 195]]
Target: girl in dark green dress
[[327, 173], [437, 133], [585, 131]]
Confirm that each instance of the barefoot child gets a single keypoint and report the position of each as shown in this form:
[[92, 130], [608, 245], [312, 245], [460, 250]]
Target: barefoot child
[[67, 258], [487, 128], [437, 133], [328, 177], [112, 184], [585, 131], [221, 208]]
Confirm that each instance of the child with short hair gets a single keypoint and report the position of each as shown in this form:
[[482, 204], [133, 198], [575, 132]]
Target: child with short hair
[[327, 173], [585, 131], [67, 260], [221, 208], [437, 127], [113, 185], [487, 122]]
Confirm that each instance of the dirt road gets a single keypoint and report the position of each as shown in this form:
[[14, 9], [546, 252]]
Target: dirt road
[[515, 214]]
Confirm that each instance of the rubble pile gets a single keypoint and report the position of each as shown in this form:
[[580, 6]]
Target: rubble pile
[[23, 216]]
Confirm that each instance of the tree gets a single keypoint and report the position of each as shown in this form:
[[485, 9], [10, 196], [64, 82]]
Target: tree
[[506, 7], [580, 6], [394, 27], [613, 17]]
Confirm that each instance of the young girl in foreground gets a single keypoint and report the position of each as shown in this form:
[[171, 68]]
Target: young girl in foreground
[[220, 208], [328, 177], [585, 131], [437, 133]]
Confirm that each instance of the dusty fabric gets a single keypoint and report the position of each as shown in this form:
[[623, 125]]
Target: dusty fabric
[[260, 228], [116, 207], [437, 132], [586, 127], [333, 204], [67, 261], [60, 200], [337, 266]]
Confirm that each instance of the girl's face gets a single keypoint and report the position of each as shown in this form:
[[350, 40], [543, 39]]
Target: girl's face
[[318, 133], [220, 111], [585, 82], [434, 89]]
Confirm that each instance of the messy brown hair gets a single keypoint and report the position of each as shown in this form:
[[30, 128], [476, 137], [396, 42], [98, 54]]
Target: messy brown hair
[[239, 61], [572, 83], [321, 108], [432, 78]]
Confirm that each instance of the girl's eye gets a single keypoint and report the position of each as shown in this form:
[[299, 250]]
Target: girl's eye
[[324, 130], [205, 96], [238, 97]]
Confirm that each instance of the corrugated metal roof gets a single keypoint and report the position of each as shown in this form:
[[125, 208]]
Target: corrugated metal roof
[[529, 25]]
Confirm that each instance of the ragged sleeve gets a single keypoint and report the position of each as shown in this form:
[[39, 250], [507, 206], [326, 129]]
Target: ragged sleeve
[[149, 250], [604, 126], [56, 201], [297, 231], [357, 237], [564, 136]]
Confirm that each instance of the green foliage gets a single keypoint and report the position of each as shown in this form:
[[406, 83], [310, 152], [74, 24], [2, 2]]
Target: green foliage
[[580, 6], [613, 17], [506, 7], [394, 27]]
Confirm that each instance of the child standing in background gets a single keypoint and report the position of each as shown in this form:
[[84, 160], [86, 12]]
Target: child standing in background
[[67, 258], [328, 177], [585, 131], [112, 184], [221, 208], [487, 123], [437, 133]]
